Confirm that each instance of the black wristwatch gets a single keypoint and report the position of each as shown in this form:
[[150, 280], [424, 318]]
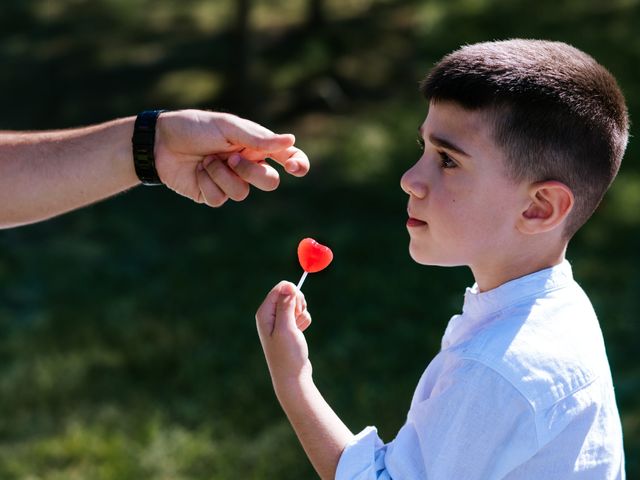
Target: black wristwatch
[[143, 142]]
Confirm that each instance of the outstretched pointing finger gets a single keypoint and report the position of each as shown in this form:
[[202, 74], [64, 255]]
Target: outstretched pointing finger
[[294, 160], [248, 134]]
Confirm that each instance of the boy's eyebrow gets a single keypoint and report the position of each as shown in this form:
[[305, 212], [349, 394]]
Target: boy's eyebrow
[[443, 143]]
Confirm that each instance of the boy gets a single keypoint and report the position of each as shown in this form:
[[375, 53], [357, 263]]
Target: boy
[[521, 141]]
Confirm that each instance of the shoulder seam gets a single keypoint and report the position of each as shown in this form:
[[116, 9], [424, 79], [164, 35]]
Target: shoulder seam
[[533, 412]]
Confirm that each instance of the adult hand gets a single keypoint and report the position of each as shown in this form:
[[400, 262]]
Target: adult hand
[[211, 156]]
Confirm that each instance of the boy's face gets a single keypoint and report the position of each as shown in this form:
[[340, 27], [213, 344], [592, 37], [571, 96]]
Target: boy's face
[[462, 207]]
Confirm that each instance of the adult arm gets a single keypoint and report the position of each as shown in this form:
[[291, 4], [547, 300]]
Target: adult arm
[[206, 156]]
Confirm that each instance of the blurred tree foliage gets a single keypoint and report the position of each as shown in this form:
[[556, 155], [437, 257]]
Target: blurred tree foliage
[[127, 339]]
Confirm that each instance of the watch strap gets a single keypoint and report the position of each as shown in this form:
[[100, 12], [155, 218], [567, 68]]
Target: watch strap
[[143, 144]]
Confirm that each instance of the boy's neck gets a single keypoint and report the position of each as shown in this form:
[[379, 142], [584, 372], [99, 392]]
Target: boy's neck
[[493, 276]]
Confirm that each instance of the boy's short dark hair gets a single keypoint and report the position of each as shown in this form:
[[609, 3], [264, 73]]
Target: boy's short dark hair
[[556, 112]]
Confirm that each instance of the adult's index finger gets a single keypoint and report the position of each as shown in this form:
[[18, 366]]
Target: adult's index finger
[[294, 160], [248, 134]]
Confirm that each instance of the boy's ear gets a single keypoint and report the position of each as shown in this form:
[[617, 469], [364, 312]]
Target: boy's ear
[[549, 203]]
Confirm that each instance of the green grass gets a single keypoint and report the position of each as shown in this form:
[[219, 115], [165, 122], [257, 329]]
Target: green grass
[[127, 339]]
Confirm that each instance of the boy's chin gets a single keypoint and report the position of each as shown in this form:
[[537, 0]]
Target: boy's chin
[[420, 257], [429, 258]]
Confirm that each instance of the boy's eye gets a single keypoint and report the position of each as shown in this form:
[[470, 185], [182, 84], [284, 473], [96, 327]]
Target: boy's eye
[[446, 161], [420, 141]]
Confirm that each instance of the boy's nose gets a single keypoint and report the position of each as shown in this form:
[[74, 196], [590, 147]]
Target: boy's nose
[[412, 184]]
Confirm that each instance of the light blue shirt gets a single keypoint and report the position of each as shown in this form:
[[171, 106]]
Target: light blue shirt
[[520, 390]]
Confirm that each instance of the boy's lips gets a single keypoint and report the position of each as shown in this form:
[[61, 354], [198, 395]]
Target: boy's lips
[[412, 221], [415, 222]]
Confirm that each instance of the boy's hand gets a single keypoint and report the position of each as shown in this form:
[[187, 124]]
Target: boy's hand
[[281, 319]]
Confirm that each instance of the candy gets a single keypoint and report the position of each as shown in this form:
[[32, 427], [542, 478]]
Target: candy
[[313, 257]]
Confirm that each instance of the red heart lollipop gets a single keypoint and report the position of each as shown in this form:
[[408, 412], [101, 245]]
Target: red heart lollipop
[[313, 257]]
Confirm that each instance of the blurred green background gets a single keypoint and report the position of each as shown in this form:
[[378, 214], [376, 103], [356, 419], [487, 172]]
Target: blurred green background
[[127, 337]]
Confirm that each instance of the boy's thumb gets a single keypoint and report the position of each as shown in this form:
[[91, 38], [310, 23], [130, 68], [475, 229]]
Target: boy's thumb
[[285, 308]]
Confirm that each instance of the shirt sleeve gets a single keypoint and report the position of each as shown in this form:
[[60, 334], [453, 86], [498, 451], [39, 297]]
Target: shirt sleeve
[[363, 458], [474, 425]]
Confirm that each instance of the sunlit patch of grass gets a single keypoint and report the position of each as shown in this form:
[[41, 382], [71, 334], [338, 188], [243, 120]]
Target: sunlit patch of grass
[[78, 452], [28, 381], [158, 449]]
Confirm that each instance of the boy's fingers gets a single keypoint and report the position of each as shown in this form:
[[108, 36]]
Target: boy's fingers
[[283, 309], [301, 303], [303, 321]]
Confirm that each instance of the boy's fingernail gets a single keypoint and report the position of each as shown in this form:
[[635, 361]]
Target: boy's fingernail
[[288, 298], [288, 291]]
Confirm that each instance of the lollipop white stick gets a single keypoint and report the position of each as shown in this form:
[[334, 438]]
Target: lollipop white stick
[[302, 278]]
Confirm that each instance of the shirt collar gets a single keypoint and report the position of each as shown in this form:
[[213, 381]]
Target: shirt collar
[[478, 303], [480, 307]]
